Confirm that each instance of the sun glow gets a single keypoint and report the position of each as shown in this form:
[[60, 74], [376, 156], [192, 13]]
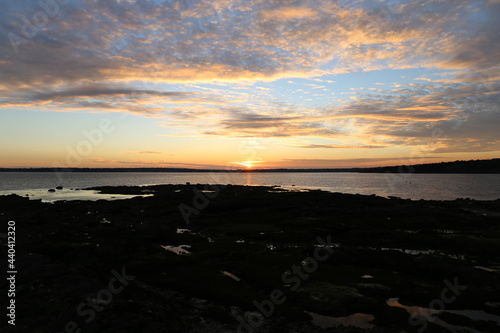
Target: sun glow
[[247, 164]]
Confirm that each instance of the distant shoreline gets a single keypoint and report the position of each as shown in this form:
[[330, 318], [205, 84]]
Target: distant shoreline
[[491, 166], [111, 170]]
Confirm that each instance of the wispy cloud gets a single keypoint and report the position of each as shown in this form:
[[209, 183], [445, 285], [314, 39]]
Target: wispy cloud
[[350, 162], [144, 152], [166, 164], [327, 146]]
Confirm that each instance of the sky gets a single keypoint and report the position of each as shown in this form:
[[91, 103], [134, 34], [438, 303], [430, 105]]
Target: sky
[[248, 83]]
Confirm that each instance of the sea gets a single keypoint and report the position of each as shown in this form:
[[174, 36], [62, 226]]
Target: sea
[[405, 185]]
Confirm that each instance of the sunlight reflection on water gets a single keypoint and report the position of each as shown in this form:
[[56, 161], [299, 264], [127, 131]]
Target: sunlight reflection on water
[[360, 320], [69, 194], [413, 186]]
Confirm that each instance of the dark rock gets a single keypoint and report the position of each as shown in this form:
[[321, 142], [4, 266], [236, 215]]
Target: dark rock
[[256, 233]]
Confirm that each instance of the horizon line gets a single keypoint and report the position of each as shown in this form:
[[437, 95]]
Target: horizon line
[[222, 169]]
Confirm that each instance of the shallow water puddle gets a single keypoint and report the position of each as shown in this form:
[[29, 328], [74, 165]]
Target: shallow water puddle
[[477, 315], [487, 269], [179, 250], [494, 304], [408, 251], [231, 275], [419, 252], [429, 315], [190, 232], [333, 246], [360, 320], [69, 194]]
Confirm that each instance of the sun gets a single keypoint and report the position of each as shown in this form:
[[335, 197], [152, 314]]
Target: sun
[[247, 164]]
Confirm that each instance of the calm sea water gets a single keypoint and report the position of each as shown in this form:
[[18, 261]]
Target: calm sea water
[[412, 186]]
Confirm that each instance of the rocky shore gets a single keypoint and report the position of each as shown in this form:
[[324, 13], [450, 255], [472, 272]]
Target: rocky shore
[[200, 258]]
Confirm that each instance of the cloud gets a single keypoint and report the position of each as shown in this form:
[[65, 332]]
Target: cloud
[[96, 91], [183, 62], [287, 13], [412, 111], [144, 152], [102, 161], [239, 40], [349, 162], [326, 146], [166, 164], [151, 102]]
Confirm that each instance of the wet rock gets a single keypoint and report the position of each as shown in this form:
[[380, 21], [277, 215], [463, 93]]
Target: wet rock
[[73, 255]]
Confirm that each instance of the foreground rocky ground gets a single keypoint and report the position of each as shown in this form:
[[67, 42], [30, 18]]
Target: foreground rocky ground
[[253, 259]]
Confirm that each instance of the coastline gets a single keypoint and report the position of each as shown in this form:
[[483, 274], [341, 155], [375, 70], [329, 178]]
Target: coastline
[[238, 242], [412, 186], [488, 166]]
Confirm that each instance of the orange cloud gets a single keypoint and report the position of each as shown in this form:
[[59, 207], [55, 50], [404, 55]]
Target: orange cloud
[[287, 13]]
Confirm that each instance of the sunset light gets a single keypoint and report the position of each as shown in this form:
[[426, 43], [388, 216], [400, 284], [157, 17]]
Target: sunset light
[[247, 164], [250, 166]]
